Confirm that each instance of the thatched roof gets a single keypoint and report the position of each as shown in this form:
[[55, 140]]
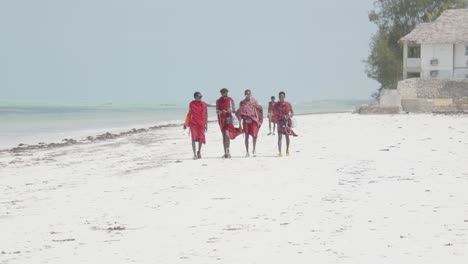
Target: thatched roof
[[450, 27]]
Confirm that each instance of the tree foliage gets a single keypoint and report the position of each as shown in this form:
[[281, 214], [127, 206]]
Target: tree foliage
[[395, 19]]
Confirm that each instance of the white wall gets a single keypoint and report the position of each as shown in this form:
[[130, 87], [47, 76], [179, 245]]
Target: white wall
[[461, 60], [461, 73], [442, 52], [460, 57], [414, 63]]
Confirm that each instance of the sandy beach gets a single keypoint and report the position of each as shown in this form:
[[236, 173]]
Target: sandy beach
[[356, 189]]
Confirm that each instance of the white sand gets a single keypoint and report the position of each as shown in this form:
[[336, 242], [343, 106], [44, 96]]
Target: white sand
[[356, 189]]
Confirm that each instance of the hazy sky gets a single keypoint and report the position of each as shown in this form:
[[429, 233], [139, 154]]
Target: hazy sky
[[146, 50]]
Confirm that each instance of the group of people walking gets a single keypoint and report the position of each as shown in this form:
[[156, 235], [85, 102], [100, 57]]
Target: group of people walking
[[248, 119]]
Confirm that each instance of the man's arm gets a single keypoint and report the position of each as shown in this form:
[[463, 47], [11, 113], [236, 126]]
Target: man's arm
[[292, 111]]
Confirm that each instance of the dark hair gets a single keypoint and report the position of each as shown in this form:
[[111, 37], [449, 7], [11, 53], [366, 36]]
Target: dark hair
[[196, 94], [223, 90], [272, 97], [245, 92], [282, 93]]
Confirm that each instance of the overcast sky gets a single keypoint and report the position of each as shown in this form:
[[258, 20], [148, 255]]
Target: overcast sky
[[150, 50]]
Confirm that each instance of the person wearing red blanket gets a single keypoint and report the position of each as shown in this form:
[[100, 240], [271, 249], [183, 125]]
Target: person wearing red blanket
[[283, 112], [197, 120], [271, 105], [225, 108], [251, 114]]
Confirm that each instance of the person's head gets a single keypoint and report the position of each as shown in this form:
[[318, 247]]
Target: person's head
[[281, 96], [197, 96], [272, 98], [247, 94], [224, 92]]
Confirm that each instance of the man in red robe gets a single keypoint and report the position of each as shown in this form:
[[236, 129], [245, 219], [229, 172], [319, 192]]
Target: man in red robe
[[197, 120], [271, 105], [282, 115], [251, 114], [225, 108]]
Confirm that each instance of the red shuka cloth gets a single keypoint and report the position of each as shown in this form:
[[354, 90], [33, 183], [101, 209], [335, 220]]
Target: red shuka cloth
[[281, 117], [251, 128], [271, 106], [227, 104], [196, 118]]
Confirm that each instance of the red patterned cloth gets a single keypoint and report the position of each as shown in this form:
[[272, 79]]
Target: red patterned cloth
[[281, 117], [248, 109], [225, 118], [251, 115]]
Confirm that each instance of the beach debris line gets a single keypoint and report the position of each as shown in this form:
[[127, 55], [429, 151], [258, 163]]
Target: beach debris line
[[110, 229], [232, 228], [89, 139], [114, 228], [14, 252], [63, 240]]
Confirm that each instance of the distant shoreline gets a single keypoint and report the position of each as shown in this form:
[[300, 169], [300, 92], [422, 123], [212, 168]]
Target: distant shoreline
[[86, 139]]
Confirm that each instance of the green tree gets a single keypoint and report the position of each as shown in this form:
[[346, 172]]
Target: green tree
[[395, 19]]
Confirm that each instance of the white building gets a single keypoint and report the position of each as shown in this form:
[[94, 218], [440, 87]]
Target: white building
[[438, 50]]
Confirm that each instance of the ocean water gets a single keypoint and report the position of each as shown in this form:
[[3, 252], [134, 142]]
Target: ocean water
[[34, 122]]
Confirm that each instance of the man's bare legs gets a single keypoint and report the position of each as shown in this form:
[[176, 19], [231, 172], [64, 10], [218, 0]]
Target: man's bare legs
[[199, 150], [280, 140], [254, 143], [196, 154], [247, 145], [194, 150], [269, 125], [254, 153], [226, 144]]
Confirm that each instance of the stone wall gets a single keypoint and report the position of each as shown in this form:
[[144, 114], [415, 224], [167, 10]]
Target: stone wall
[[434, 95], [389, 103], [389, 98]]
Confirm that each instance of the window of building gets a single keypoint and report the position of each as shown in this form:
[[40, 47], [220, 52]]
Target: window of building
[[434, 74], [414, 52], [466, 50], [434, 62], [414, 75]]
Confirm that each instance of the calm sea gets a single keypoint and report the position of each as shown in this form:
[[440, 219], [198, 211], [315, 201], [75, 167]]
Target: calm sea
[[34, 122]]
